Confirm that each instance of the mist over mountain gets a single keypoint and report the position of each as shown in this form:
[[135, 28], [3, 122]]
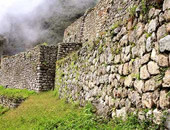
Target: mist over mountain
[[26, 23]]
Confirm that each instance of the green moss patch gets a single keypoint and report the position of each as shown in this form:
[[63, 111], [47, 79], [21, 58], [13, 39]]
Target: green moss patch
[[15, 93]]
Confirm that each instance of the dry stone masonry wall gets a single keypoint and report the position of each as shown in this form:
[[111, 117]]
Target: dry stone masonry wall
[[124, 64], [33, 70], [66, 48], [97, 19], [10, 102]]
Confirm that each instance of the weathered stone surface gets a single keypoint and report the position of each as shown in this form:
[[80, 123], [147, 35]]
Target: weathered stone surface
[[120, 69], [108, 68], [135, 98], [151, 85], [161, 18], [153, 36], [144, 74], [165, 44], [102, 109], [153, 25], [154, 55], [124, 40], [157, 116], [157, 12], [10, 102], [149, 44], [141, 47], [121, 113], [151, 12], [167, 15], [140, 29], [162, 60], [125, 69], [161, 32], [129, 25], [117, 59], [139, 85], [128, 81], [156, 96], [130, 66], [132, 36], [145, 58], [147, 100], [110, 58], [166, 5], [153, 68], [102, 58], [141, 115], [168, 27], [134, 52], [166, 79], [167, 122], [164, 99]]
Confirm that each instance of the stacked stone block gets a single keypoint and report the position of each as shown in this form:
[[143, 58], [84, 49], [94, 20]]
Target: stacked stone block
[[96, 20], [66, 48], [33, 70], [127, 67], [10, 102]]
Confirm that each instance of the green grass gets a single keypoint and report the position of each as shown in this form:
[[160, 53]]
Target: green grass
[[45, 111], [15, 93], [3, 110]]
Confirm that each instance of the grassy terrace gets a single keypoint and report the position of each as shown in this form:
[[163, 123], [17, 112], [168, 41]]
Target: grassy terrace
[[44, 111], [15, 93], [3, 110]]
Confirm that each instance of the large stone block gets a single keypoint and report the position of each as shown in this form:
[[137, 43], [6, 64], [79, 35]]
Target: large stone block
[[139, 85], [153, 68], [166, 5], [153, 25], [144, 74], [151, 85], [163, 60], [164, 99], [164, 44], [147, 100]]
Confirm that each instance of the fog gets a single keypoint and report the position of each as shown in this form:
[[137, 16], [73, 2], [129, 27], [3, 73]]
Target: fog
[[26, 23]]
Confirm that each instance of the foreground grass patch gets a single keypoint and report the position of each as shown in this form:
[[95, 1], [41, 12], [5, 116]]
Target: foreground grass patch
[[39, 111], [15, 93], [45, 111], [3, 110]]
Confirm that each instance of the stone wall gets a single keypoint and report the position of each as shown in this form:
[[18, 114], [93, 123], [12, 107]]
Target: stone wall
[[66, 48], [98, 19], [33, 70], [10, 102], [72, 33], [127, 67]]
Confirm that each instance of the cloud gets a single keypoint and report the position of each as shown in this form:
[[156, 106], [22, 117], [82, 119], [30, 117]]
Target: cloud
[[26, 23]]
